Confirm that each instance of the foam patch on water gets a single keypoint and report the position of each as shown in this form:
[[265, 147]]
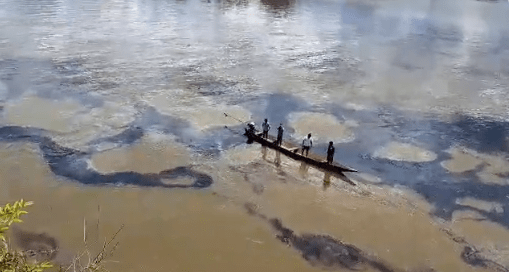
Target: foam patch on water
[[492, 178], [323, 127], [152, 154], [481, 204], [459, 215], [356, 106], [404, 152], [42, 113], [462, 160], [495, 171]]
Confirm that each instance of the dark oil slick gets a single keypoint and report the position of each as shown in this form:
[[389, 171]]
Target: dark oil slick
[[72, 164], [323, 250]]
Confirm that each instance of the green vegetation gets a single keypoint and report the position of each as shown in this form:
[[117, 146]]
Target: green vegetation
[[11, 260], [17, 261]]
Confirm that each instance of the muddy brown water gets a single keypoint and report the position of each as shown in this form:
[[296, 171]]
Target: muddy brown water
[[196, 230], [111, 114]]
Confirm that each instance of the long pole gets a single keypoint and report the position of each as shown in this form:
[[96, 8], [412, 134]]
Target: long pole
[[232, 130], [227, 115]]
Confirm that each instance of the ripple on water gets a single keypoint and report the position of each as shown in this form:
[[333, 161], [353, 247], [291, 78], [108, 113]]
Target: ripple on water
[[173, 101], [209, 117], [322, 126], [184, 105], [3, 91], [78, 125], [365, 177], [394, 225], [404, 152], [42, 113], [152, 154], [243, 154], [88, 125], [488, 237]]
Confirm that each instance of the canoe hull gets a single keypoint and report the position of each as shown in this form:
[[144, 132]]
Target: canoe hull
[[334, 167]]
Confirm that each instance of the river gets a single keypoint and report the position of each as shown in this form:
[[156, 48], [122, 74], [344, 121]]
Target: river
[[112, 114]]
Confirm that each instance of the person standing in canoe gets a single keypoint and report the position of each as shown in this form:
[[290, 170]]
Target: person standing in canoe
[[330, 152], [265, 128], [307, 143], [280, 131], [250, 131]]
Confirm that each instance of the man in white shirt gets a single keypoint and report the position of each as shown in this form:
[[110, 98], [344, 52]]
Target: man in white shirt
[[307, 143]]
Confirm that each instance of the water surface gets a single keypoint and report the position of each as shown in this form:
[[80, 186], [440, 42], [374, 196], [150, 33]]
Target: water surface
[[115, 108]]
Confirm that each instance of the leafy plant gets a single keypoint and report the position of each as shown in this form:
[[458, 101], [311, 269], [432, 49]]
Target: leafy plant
[[11, 260], [10, 214], [18, 261]]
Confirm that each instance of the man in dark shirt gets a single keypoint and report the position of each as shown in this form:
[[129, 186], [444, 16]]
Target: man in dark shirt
[[280, 131], [250, 130], [330, 152]]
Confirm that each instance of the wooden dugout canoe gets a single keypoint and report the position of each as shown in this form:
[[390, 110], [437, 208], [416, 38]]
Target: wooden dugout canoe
[[294, 154]]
